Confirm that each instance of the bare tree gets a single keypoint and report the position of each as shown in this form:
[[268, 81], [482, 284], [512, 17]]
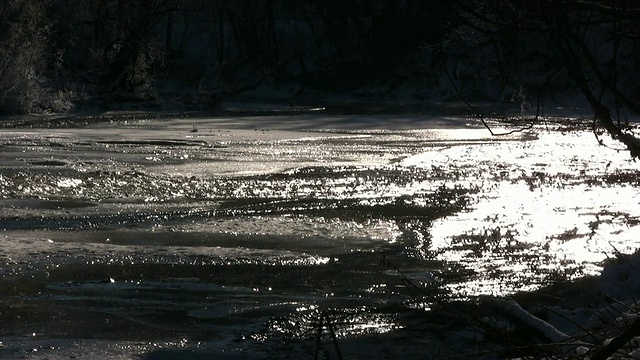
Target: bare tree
[[593, 43], [24, 47], [126, 46]]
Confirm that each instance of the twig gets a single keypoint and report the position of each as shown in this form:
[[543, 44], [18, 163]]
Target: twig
[[324, 318], [618, 342], [473, 109]]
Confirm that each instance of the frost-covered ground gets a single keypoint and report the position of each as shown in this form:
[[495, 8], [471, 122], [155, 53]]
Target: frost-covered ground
[[231, 236]]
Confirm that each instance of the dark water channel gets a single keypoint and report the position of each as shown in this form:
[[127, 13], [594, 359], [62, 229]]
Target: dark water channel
[[232, 238]]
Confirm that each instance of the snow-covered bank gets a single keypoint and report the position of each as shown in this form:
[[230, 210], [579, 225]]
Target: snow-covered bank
[[590, 318]]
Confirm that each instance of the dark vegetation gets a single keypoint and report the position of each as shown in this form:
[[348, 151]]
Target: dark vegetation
[[64, 55], [549, 48], [166, 53]]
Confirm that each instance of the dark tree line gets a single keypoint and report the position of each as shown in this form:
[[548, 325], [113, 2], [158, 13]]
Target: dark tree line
[[120, 47], [56, 54]]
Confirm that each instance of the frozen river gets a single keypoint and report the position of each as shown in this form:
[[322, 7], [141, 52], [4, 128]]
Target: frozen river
[[229, 237]]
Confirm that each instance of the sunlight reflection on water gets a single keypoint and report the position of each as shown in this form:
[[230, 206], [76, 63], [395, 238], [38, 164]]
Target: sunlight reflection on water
[[292, 224], [536, 194]]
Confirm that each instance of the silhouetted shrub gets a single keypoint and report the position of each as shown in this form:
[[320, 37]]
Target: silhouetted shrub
[[24, 36]]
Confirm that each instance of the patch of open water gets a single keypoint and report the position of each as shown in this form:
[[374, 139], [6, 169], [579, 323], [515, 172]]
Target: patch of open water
[[150, 238]]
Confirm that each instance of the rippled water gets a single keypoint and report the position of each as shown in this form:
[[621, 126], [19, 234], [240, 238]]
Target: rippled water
[[235, 237]]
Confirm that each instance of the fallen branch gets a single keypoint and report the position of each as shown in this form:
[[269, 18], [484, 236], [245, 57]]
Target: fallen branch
[[515, 312], [618, 342]]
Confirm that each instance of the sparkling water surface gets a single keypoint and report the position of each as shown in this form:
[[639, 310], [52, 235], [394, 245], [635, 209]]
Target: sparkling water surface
[[234, 237]]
